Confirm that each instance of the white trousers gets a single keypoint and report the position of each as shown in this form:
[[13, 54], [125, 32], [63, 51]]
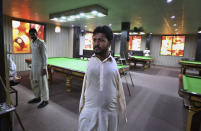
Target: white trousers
[[96, 119], [40, 88]]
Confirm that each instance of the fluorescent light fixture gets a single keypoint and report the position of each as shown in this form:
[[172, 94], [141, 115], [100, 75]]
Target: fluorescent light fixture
[[86, 12], [199, 32]]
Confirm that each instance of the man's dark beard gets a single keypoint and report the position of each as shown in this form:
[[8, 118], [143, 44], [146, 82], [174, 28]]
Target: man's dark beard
[[103, 52]]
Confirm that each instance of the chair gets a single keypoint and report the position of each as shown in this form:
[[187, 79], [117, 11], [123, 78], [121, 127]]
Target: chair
[[124, 62], [12, 90]]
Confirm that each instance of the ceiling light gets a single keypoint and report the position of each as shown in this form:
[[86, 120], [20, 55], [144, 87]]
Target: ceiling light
[[89, 16], [169, 1], [94, 12], [82, 14], [172, 17], [199, 30], [100, 15], [88, 12], [63, 17], [117, 33], [77, 16], [54, 19], [57, 29], [174, 24]]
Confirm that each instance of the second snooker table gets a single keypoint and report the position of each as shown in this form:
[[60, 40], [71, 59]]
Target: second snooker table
[[146, 61], [185, 64], [190, 89], [72, 67]]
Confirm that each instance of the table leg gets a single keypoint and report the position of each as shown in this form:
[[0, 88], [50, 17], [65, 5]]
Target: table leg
[[149, 64], [190, 116], [49, 75], [183, 70], [68, 82]]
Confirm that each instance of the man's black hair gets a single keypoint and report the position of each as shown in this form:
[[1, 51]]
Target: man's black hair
[[105, 30], [32, 30]]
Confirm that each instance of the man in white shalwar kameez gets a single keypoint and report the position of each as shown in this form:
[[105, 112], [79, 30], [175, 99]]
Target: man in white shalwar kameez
[[38, 73], [102, 87]]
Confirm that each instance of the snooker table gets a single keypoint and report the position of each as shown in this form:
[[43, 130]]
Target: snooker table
[[72, 67], [190, 89], [146, 61], [186, 64], [116, 55]]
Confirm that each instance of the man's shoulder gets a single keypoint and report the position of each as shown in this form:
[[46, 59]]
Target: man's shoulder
[[41, 42]]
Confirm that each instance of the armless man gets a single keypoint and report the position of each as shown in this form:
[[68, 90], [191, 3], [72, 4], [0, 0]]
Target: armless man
[[102, 87], [38, 73]]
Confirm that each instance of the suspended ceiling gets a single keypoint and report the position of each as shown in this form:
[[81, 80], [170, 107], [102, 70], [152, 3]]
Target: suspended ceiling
[[152, 15]]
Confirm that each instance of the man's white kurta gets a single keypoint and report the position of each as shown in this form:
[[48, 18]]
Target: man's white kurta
[[39, 61], [102, 90], [39, 58]]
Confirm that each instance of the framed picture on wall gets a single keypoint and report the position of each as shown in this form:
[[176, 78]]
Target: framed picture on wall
[[178, 45], [88, 42], [134, 43], [166, 45], [172, 45], [20, 35]]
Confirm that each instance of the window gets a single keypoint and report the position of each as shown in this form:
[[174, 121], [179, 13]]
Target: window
[[172, 45], [21, 41], [134, 43]]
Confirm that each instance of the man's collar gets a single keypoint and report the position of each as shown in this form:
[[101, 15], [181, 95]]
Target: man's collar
[[109, 58], [35, 40]]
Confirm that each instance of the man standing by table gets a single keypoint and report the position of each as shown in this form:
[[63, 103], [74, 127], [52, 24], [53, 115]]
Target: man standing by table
[[102, 87], [38, 73]]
